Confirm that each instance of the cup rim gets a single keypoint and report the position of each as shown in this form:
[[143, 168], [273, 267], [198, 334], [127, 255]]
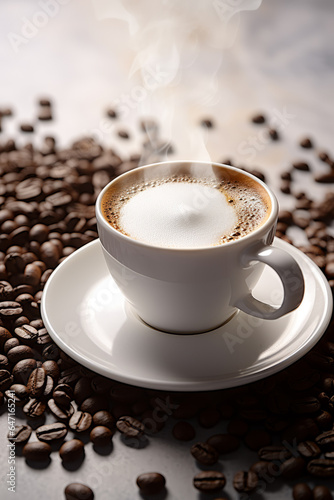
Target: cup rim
[[127, 239]]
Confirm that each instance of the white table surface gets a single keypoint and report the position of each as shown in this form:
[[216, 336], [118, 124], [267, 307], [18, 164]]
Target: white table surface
[[178, 63]]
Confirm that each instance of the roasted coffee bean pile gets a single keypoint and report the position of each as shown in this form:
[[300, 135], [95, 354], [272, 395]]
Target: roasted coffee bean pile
[[47, 197]]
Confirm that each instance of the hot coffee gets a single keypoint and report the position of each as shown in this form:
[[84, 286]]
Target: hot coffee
[[187, 211]]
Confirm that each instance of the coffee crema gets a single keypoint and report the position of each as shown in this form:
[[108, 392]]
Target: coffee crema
[[185, 211]]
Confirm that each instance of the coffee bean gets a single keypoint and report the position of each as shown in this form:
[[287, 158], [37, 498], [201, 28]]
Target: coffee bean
[[80, 421], [321, 467], [62, 414], [19, 352], [302, 491], [48, 388], [209, 417], [324, 420], [301, 165], [183, 431], [26, 127], [327, 178], [308, 404], [6, 380], [265, 470], [309, 449], [207, 481], [36, 382], [151, 483], [78, 491], [52, 369], [20, 434], [224, 443], [34, 408], [306, 143], [326, 440], [292, 468], [258, 119], [45, 114], [100, 385], [36, 451], [4, 362], [105, 418], [272, 452], [204, 453], [322, 493], [245, 482], [94, 404], [63, 395], [19, 393], [51, 432], [14, 262], [130, 427], [206, 123], [10, 343], [27, 334], [273, 134], [100, 435], [10, 309], [4, 336], [72, 450]]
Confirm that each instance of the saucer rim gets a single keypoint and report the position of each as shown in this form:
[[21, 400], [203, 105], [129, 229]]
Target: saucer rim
[[212, 382]]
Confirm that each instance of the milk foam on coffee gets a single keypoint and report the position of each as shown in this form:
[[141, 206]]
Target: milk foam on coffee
[[187, 212], [178, 214]]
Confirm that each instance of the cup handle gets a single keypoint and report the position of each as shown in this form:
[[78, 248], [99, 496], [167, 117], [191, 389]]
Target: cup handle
[[290, 275]]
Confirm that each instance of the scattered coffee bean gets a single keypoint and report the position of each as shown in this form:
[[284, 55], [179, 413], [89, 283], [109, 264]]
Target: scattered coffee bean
[[292, 468], [258, 119], [245, 482], [20, 434], [183, 431], [272, 453], [207, 481], [309, 449], [204, 453], [273, 134], [19, 393], [78, 491], [302, 491], [130, 427], [301, 165], [80, 421], [26, 127], [104, 418], [71, 450], [306, 143], [321, 467], [36, 382], [207, 123], [224, 443], [100, 435], [62, 414], [37, 451], [322, 493], [51, 432], [34, 408], [151, 483], [6, 380], [326, 440]]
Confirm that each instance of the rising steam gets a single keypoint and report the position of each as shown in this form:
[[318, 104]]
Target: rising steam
[[168, 38]]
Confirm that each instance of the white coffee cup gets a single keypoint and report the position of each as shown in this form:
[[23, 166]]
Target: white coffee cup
[[194, 290]]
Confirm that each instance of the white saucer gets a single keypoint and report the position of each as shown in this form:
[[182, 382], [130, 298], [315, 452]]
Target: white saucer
[[86, 315]]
